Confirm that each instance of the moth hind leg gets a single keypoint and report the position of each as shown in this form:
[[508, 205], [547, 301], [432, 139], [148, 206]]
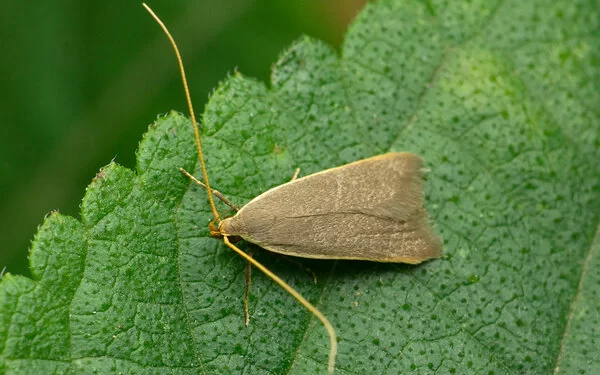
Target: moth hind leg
[[247, 289], [299, 265]]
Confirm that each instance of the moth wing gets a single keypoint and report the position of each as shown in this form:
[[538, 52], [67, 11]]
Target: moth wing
[[371, 209]]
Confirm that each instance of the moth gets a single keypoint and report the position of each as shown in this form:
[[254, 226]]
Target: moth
[[370, 209]]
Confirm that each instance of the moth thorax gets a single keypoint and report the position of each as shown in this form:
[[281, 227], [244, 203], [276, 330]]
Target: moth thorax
[[228, 228]]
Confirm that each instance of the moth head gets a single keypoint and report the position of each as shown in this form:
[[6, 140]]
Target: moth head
[[214, 230], [220, 230]]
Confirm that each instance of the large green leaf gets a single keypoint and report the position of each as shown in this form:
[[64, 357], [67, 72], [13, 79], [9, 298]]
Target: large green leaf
[[501, 100]]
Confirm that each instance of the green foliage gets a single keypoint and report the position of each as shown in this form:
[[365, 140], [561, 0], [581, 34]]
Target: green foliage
[[501, 100]]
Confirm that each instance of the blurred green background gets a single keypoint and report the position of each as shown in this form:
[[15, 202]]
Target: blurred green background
[[81, 82]]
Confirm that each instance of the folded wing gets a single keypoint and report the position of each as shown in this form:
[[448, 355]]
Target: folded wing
[[371, 209]]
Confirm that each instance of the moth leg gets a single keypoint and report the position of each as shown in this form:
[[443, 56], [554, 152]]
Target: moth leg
[[309, 306], [247, 292], [296, 173], [215, 192], [299, 265]]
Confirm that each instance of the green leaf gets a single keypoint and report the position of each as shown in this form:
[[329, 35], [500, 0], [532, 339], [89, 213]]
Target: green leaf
[[501, 100]]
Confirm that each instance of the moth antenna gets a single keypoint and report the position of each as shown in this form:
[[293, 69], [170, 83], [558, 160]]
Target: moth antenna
[[191, 109], [309, 306]]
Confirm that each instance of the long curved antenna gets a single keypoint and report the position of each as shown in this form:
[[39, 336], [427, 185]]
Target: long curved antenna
[[309, 306], [191, 108]]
